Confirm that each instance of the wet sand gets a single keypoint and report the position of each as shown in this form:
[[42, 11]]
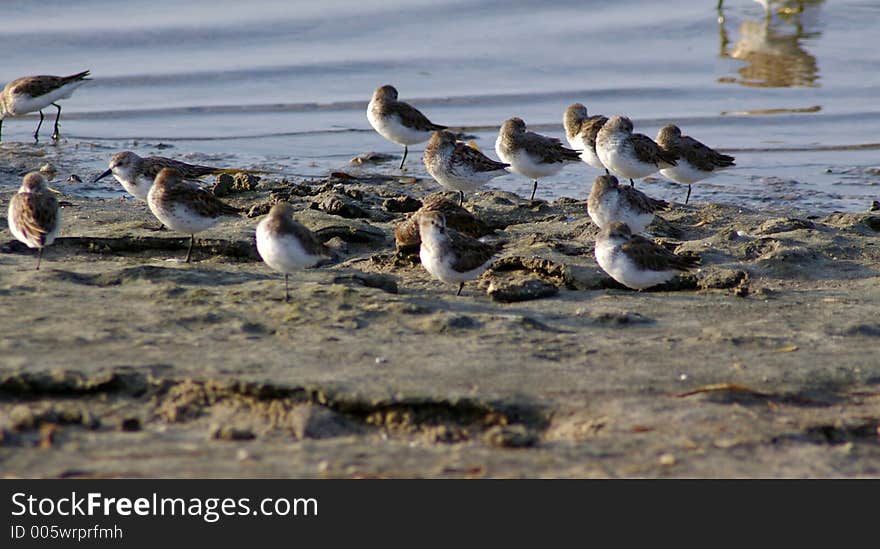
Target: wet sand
[[116, 359]]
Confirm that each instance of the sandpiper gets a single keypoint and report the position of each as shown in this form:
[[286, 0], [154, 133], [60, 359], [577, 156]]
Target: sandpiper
[[696, 161], [397, 121], [35, 93], [185, 207], [628, 154], [457, 166], [136, 173], [635, 261], [286, 245], [531, 154], [448, 255], [581, 130], [406, 233], [611, 203], [34, 214]]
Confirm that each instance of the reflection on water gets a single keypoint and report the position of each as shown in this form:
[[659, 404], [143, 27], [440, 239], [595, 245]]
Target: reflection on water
[[773, 47]]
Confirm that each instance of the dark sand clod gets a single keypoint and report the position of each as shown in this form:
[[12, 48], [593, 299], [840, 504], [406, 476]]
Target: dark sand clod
[[116, 361]]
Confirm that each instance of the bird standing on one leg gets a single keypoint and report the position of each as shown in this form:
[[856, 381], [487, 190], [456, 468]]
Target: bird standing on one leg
[[34, 214], [448, 255], [530, 154], [696, 161], [185, 207], [286, 245], [457, 166], [627, 154], [397, 121]]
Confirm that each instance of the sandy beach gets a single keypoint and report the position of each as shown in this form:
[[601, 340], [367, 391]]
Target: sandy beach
[[120, 360], [117, 359]]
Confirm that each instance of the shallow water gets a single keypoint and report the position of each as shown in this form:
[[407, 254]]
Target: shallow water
[[793, 97]]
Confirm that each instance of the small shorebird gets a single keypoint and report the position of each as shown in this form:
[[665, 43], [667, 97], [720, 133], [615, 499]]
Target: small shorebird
[[457, 166], [397, 121], [185, 207], [627, 154], [35, 93], [34, 214], [609, 202], [695, 160], [406, 233], [581, 130], [136, 173], [286, 245], [448, 255], [531, 154], [635, 261]]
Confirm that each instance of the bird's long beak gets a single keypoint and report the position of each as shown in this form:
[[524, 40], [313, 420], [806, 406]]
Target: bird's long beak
[[51, 190], [102, 176]]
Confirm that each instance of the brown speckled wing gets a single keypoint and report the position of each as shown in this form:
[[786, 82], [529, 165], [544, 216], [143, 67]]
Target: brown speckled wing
[[307, 238], [590, 129], [36, 86], [154, 164], [411, 117], [406, 233], [466, 155], [470, 252], [702, 156], [642, 202], [199, 200], [648, 151], [36, 214], [548, 149], [650, 256]]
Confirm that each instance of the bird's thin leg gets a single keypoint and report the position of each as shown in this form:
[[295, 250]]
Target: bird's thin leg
[[1, 129], [55, 134], [460, 286], [192, 240], [37, 131], [607, 172], [286, 289], [405, 151], [39, 259], [631, 182], [688, 196], [460, 199], [534, 188]]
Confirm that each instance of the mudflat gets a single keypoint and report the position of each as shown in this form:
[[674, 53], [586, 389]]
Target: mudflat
[[119, 360]]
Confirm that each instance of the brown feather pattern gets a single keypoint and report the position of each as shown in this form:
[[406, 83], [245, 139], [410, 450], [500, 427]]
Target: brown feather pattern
[[170, 189], [642, 202], [286, 225], [648, 151], [470, 252], [152, 165], [469, 157], [647, 254], [35, 215], [694, 152], [410, 116], [35, 86]]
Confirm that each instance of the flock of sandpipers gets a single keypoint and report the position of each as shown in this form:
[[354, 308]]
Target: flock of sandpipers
[[170, 189]]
